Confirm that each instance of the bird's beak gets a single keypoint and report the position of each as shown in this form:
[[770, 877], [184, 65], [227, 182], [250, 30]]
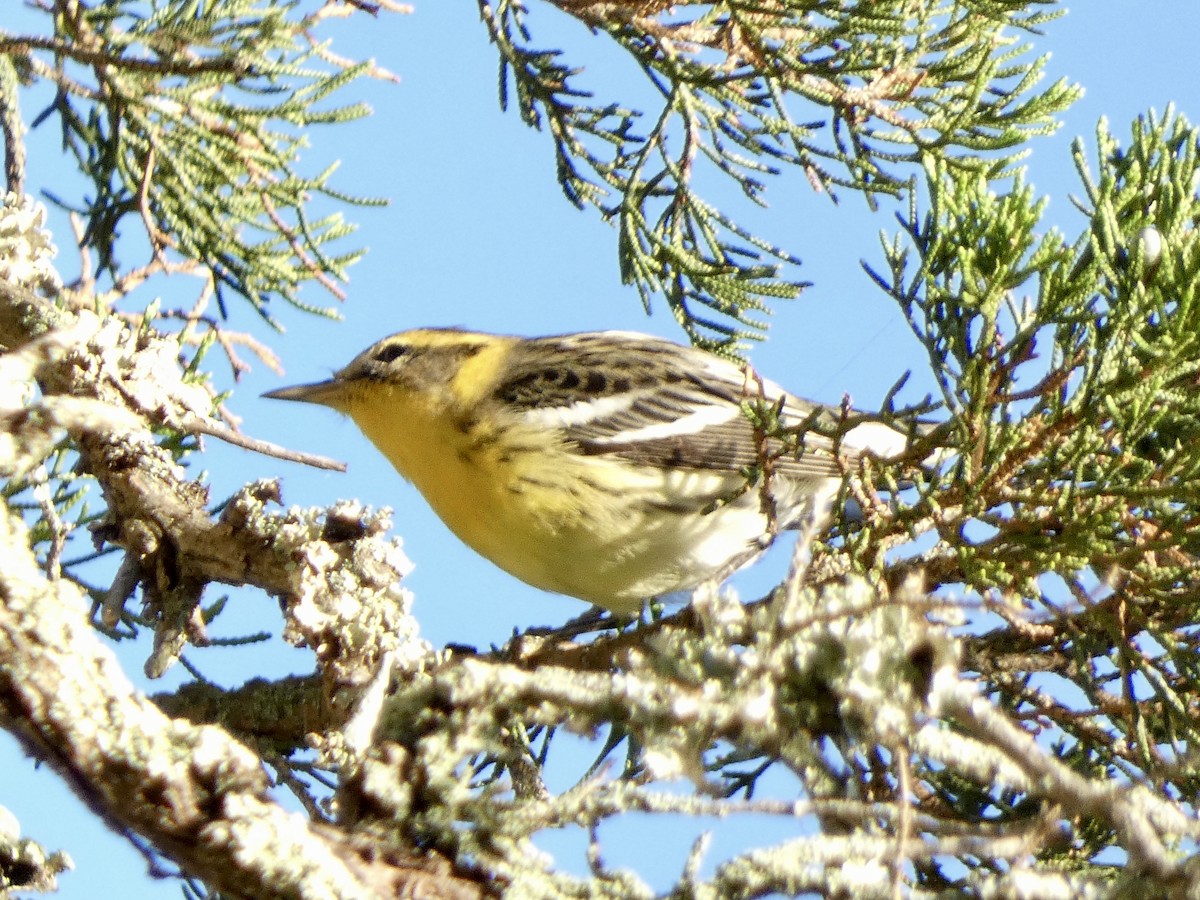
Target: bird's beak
[[326, 393]]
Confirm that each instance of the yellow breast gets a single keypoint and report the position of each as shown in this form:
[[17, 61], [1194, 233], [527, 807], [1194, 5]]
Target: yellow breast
[[482, 482], [587, 526]]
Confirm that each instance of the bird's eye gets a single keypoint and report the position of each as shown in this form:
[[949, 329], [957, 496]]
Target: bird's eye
[[391, 353]]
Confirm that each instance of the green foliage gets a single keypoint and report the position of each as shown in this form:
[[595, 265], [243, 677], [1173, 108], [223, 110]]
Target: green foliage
[[189, 120], [849, 95], [1072, 369]]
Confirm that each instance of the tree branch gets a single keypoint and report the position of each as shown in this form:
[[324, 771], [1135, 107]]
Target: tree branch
[[191, 791]]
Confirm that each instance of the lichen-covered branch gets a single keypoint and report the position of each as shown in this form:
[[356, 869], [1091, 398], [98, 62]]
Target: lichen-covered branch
[[190, 790]]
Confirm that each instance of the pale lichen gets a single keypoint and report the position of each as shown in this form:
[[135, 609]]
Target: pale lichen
[[27, 248], [346, 600]]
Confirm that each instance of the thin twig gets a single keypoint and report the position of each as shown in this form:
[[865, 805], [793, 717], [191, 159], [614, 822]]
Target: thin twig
[[13, 128], [229, 436]]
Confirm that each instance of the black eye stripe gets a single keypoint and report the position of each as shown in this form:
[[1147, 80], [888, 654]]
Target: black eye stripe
[[392, 352]]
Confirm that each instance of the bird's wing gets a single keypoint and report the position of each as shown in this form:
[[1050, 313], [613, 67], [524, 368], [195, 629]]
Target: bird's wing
[[654, 402]]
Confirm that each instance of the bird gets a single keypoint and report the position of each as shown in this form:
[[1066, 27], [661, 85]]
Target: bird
[[610, 466]]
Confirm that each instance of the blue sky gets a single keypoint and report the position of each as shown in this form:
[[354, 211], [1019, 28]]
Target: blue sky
[[478, 234]]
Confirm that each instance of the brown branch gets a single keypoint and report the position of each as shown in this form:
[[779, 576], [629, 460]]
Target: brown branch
[[215, 429], [13, 129], [24, 43], [274, 715], [311, 265]]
